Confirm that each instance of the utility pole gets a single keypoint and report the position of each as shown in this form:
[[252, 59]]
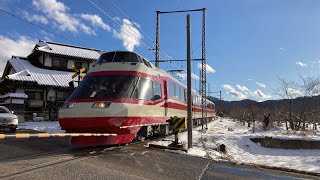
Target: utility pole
[[220, 103], [189, 97], [203, 71], [158, 41]]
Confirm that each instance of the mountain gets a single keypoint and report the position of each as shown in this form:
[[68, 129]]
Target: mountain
[[313, 102]]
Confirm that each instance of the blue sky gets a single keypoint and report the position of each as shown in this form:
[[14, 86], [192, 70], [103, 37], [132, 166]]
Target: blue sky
[[250, 43]]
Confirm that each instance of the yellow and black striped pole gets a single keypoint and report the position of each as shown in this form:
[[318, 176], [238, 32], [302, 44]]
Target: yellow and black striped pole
[[178, 123], [46, 135]]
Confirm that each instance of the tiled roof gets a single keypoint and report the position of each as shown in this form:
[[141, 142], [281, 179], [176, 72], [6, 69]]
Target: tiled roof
[[68, 50], [29, 73]]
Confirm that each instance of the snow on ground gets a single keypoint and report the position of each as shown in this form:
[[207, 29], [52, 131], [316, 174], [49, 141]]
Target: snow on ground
[[241, 149], [236, 138], [43, 126]]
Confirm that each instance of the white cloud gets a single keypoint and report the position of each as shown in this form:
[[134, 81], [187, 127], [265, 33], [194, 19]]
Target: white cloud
[[301, 64], [282, 49], [209, 69], [261, 85], [237, 94], [35, 18], [129, 35], [260, 94], [228, 87], [293, 91], [231, 91], [183, 76], [57, 11], [22, 46], [242, 88], [96, 21]]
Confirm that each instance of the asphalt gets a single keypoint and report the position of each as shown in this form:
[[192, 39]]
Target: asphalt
[[53, 158]]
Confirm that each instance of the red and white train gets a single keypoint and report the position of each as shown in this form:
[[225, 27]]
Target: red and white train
[[125, 94]]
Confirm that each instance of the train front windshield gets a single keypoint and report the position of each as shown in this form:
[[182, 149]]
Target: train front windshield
[[111, 86]]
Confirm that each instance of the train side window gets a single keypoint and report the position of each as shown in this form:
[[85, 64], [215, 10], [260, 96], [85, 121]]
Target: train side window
[[156, 91], [143, 90], [177, 91], [181, 93], [171, 89], [146, 62]]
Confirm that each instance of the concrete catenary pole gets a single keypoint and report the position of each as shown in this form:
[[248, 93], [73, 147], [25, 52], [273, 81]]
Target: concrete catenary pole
[[189, 97]]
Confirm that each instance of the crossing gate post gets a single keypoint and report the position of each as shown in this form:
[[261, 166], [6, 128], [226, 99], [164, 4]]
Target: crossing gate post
[[177, 124]]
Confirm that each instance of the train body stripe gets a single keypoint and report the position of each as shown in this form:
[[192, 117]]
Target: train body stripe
[[140, 125]]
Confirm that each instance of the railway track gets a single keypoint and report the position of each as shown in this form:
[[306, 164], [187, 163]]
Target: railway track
[[60, 156]]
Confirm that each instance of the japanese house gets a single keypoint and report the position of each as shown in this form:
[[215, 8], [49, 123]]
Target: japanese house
[[39, 83]]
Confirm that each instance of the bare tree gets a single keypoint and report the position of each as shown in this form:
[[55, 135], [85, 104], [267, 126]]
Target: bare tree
[[297, 111], [253, 112]]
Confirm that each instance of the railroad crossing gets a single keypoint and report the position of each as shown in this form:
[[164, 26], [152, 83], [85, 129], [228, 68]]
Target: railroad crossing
[[54, 158]]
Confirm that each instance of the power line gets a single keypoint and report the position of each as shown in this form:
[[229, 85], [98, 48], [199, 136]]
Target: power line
[[132, 21], [136, 34], [130, 33], [140, 29], [116, 21], [47, 30]]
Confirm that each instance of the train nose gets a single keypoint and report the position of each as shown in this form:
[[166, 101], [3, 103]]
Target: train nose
[[94, 109]]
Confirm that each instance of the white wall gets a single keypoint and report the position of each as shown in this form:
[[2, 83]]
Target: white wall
[[51, 95], [17, 101], [48, 61], [70, 63]]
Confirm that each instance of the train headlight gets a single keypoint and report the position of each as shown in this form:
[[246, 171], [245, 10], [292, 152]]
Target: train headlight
[[68, 105], [101, 104]]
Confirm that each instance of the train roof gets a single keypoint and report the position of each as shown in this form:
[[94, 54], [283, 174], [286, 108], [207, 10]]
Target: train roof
[[158, 71]]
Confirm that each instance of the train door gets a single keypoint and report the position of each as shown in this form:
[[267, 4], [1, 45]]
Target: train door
[[165, 96]]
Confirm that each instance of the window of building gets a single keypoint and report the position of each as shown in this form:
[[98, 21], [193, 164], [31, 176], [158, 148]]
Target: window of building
[[59, 63], [34, 95], [82, 65]]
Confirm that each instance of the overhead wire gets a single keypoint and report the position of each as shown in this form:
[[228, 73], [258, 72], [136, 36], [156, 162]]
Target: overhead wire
[[40, 27], [142, 31], [131, 21], [130, 33]]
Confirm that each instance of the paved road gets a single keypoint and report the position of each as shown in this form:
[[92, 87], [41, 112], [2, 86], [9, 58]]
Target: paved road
[[53, 158]]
